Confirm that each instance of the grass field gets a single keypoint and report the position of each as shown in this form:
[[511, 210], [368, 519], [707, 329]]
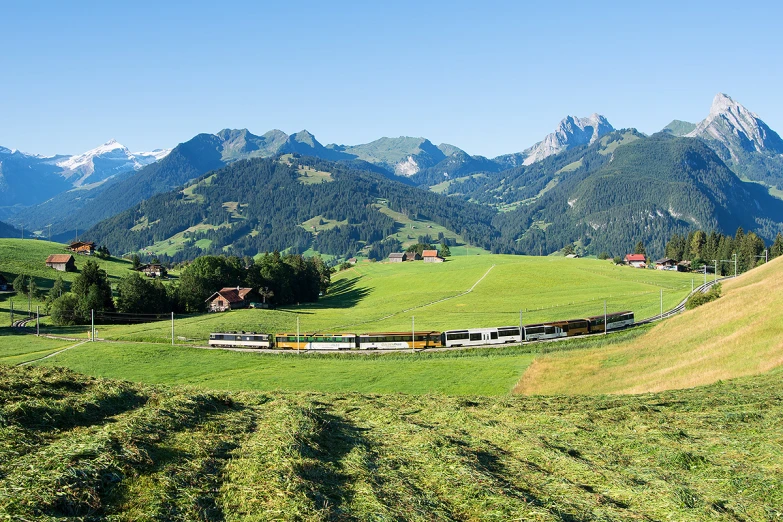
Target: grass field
[[385, 297], [739, 334], [483, 373], [20, 348], [73, 447]]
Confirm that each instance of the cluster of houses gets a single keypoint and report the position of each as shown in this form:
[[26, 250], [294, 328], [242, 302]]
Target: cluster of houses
[[666, 263], [429, 256], [66, 262]]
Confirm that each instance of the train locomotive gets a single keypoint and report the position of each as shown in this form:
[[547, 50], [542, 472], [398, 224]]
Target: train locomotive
[[425, 339]]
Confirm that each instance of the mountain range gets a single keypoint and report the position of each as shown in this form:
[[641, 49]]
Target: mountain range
[[83, 190]]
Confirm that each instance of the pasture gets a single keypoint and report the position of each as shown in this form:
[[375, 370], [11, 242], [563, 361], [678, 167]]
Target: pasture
[[739, 334], [465, 291]]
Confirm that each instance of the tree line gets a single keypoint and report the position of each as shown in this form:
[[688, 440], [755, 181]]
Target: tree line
[[275, 278], [706, 248]]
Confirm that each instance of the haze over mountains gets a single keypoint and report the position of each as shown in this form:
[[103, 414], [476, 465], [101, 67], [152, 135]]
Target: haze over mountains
[[526, 186]]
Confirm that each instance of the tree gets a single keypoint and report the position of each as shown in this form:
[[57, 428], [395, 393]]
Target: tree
[[136, 261], [92, 290], [444, 249], [63, 310], [33, 291], [697, 243], [603, 256], [136, 294], [206, 275], [568, 250], [776, 250], [639, 248], [20, 284]]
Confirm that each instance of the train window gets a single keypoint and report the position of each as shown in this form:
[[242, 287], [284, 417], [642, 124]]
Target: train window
[[493, 335], [475, 337], [456, 336], [508, 332], [534, 330]]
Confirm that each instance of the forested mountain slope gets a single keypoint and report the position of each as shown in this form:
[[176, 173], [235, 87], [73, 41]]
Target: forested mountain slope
[[292, 202], [650, 189]]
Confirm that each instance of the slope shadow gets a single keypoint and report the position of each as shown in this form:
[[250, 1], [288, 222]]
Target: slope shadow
[[343, 294]]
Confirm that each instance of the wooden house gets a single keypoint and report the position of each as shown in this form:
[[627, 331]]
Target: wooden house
[[431, 256], [61, 262], [636, 260], [396, 257], [229, 299], [666, 264], [152, 270], [82, 247]]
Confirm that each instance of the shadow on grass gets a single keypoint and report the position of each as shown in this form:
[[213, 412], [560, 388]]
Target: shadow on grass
[[342, 294]]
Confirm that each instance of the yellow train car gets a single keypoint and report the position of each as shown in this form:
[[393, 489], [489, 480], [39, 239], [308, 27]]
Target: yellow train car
[[314, 341], [399, 340]]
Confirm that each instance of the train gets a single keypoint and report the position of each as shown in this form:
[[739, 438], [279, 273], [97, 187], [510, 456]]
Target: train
[[425, 339]]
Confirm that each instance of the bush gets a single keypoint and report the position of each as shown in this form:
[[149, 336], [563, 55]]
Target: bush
[[603, 256], [63, 310], [699, 298]]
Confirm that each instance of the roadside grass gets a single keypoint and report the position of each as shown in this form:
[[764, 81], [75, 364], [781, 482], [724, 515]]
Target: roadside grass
[[390, 297], [739, 334], [79, 447], [16, 348]]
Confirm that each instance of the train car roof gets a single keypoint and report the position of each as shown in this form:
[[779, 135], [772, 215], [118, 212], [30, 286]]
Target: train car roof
[[418, 332]]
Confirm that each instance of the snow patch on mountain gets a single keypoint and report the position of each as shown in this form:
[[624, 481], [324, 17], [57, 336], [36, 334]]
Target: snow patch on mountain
[[105, 161]]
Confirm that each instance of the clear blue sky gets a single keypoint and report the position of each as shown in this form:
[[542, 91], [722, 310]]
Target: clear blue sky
[[489, 77]]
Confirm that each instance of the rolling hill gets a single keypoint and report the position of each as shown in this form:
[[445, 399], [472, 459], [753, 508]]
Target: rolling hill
[[737, 335]]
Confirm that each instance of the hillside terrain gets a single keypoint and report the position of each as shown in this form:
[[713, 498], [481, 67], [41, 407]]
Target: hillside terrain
[[739, 334], [74, 446]]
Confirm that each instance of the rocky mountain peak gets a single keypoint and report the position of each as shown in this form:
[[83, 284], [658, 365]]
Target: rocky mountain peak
[[572, 131]]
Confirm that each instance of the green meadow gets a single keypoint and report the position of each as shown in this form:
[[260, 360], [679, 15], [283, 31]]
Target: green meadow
[[465, 291]]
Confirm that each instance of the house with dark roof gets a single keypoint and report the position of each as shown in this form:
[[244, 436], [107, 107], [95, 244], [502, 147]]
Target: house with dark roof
[[82, 247], [229, 299], [152, 270], [636, 260], [666, 264], [431, 256], [61, 262], [396, 257]]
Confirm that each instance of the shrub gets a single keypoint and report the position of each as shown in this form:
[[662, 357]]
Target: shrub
[[699, 298]]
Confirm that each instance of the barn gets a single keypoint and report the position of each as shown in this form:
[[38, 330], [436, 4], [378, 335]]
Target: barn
[[61, 262]]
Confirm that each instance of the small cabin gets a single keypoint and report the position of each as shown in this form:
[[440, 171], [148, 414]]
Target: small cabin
[[636, 260], [61, 262], [666, 264], [431, 256], [229, 299], [396, 257], [82, 247]]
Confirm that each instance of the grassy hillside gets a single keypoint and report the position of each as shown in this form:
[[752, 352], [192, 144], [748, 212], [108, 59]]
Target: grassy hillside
[[739, 334], [72, 446], [384, 297]]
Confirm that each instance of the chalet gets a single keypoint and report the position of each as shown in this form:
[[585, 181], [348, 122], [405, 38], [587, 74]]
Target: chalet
[[666, 264], [152, 270], [229, 299], [396, 257], [636, 260], [431, 256], [3, 283], [82, 247], [411, 256], [61, 262]]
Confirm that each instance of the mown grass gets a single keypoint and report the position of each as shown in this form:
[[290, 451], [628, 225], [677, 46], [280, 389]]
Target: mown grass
[[17, 348], [386, 296], [84, 448], [739, 334]]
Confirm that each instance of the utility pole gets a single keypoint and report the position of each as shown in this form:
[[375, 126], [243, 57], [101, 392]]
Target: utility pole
[[705, 275], [37, 321], [297, 335], [92, 324], [691, 285], [605, 325], [735, 264], [521, 330], [172, 328], [12, 311], [716, 268], [661, 303], [413, 333]]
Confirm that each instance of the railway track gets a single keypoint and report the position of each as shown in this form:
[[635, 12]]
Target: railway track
[[681, 306]]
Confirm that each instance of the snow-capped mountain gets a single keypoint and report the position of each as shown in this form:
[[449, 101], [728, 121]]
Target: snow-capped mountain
[[105, 161], [742, 140], [571, 132]]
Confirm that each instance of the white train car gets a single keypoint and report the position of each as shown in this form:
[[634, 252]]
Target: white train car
[[239, 340], [538, 332], [481, 336]]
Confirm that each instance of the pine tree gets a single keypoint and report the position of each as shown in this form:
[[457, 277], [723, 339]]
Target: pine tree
[[776, 249]]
